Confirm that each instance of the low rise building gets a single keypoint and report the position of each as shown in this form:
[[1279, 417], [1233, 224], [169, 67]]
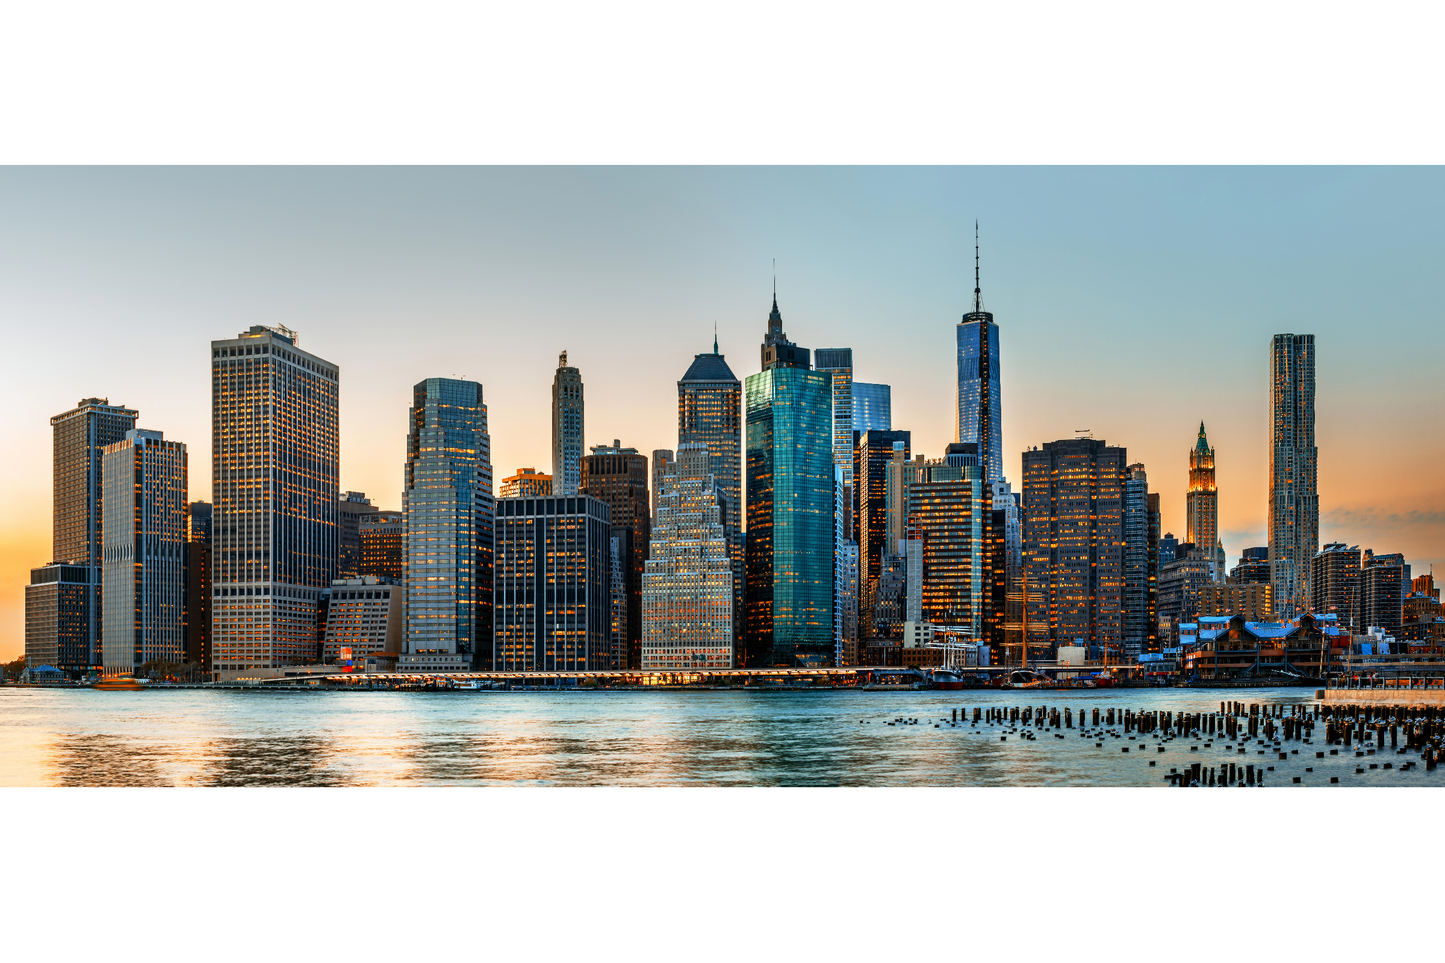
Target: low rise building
[[365, 615], [1249, 599]]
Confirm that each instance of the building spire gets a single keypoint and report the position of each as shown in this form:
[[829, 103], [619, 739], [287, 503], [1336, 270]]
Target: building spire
[[714, 336], [977, 291]]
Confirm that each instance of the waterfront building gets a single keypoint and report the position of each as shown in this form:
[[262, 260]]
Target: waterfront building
[[79, 435], [687, 586], [449, 508], [1232, 647], [1294, 505], [383, 545], [553, 603], [526, 483], [1381, 599], [144, 483], [1141, 565], [57, 617], [1335, 584], [364, 616], [1074, 542], [351, 508], [567, 428], [790, 507], [978, 412], [1421, 612], [1201, 504], [618, 476], [710, 413], [1253, 566], [274, 473], [950, 516], [661, 458], [1248, 599], [877, 453], [872, 407], [199, 583]]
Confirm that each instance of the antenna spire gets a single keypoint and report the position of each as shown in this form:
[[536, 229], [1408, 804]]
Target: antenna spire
[[977, 292], [714, 336]]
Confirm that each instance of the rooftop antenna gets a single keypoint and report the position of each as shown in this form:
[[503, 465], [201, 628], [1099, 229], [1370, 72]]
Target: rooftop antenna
[[714, 332], [977, 291]]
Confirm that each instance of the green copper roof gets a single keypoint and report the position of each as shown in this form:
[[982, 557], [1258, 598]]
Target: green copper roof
[[1203, 444]]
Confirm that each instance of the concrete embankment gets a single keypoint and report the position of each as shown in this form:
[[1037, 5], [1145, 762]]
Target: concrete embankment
[[1384, 697]]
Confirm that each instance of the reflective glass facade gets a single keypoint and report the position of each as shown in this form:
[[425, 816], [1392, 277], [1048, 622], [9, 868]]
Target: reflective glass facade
[[979, 418], [449, 508], [872, 407], [1294, 503]]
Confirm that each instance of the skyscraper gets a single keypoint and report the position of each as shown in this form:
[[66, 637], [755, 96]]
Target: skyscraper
[[274, 471], [1201, 505], [143, 551], [351, 508], [979, 420], [567, 428], [950, 515], [1294, 504], [618, 476], [1141, 564], [1074, 542], [1382, 601], [877, 450], [661, 458], [449, 509], [790, 508], [687, 589], [79, 436], [526, 483], [1335, 585], [198, 584], [872, 407], [383, 546], [838, 362]]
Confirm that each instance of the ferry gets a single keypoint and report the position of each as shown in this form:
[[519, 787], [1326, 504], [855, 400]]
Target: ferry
[[122, 683]]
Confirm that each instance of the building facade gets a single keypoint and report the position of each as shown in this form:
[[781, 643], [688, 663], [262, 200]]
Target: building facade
[[199, 581], [1382, 591], [687, 596], [526, 483], [1253, 566], [567, 428], [351, 508], [950, 515], [383, 545], [450, 509], [57, 618], [790, 508], [1201, 504], [274, 473], [1335, 585], [872, 407], [365, 615], [1181, 586], [553, 604], [877, 453], [1294, 504], [979, 418], [618, 476], [1248, 599], [1141, 565], [143, 557], [661, 458]]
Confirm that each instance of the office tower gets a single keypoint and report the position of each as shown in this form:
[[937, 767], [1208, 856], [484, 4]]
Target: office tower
[[1006, 500], [449, 510], [567, 428], [383, 546], [351, 509], [661, 458], [890, 600], [1254, 567], [1381, 603], [1073, 542], [618, 641], [363, 615], [790, 507], [199, 584], [1140, 565], [618, 476], [274, 469], [877, 452], [1182, 583], [143, 585], [872, 407], [838, 362], [846, 604], [1294, 505], [1155, 525], [1201, 504], [553, 584], [710, 412], [57, 617], [895, 510], [79, 435], [526, 483], [1249, 600], [1168, 547], [687, 593], [1335, 584], [950, 515], [978, 411]]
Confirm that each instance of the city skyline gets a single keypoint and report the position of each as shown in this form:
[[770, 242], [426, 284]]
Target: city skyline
[[895, 304]]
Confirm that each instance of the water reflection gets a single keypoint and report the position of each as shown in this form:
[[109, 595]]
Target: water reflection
[[100, 759], [293, 760]]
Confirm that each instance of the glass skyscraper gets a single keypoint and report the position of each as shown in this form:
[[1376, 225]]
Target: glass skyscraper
[[791, 511], [449, 509], [872, 407], [978, 418], [1294, 501]]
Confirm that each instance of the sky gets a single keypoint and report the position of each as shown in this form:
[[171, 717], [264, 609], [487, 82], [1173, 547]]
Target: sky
[[1131, 302]]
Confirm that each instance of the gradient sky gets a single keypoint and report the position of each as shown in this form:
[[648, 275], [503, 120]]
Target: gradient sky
[[1131, 302]]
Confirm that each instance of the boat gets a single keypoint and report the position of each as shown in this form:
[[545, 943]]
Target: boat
[[945, 677], [1027, 679], [122, 683]]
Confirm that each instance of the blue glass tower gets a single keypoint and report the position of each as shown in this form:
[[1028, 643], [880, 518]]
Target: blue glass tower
[[788, 607], [979, 420], [872, 407]]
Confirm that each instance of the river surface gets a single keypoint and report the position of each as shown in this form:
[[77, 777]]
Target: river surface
[[82, 737]]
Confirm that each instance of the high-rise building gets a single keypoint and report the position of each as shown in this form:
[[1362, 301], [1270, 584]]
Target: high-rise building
[[1168, 548], [1141, 562], [79, 436], [363, 615], [838, 362], [877, 453], [449, 509], [1335, 584], [199, 583], [979, 418], [1294, 504], [1253, 567], [618, 476], [1382, 604], [274, 470], [1201, 504], [620, 644], [567, 428], [526, 483], [790, 507], [661, 458], [872, 407], [687, 593], [351, 508], [144, 482], [950, 515], [1074, 542], [710, 413], [57, 617], [553, 585], [1182, 584], [383, 546]]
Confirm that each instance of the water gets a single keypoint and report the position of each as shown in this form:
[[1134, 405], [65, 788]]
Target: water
[[59, 737]]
